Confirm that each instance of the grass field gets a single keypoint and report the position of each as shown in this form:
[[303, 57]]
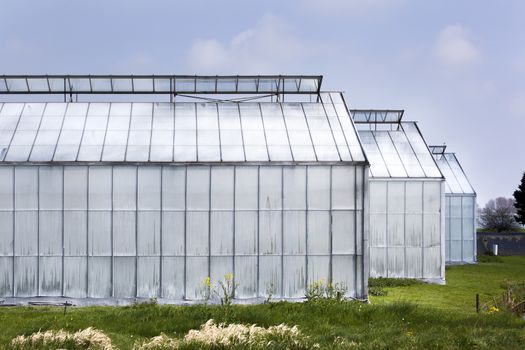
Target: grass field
[[463, 282], [416, 316]]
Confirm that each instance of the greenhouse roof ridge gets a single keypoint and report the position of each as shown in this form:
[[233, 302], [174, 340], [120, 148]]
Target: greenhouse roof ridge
[[160, 84], [375, 116]]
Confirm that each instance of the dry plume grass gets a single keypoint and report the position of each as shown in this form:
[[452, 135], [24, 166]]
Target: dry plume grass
[[212, 335], [88, 339]]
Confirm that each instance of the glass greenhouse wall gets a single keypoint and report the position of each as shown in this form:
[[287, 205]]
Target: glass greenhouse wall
[[109, 202], [460, 209], [407, 235]]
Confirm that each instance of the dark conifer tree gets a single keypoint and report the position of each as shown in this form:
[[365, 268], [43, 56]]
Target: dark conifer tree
[[519, 196]]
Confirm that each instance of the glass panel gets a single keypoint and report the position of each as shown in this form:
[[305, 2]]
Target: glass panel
[[291, 85], [377, 164], [231, 135], [51, 122], [409, 159], [347, 126], [458, 172], [99, 109], [42, 153], [185, 85], [162, 138], [101, 84], [77, 109], [28, 123], [79, 84], [185, 148], [450, 178], [206, 84], [113, 153], [18, 153], [116, 138], [268, 85], [278, 145], [162, 85], [141, 109], [389, 153], [308, 85], [17, 84], [56, 84], [421, 150], [207, 132], [318, 183], [226, 85], [163, 116], [122, 85], [247, 85], [23, 138], [12, 109], [90, 153], [161, 154], [137, 153], [33, 109], [143, 84], [47, 137]]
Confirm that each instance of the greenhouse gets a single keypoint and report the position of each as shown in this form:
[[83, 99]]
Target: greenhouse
[[460, 209], [262, 177], [407, 232]]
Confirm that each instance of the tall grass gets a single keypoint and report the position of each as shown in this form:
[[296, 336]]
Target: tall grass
[[330, 324]]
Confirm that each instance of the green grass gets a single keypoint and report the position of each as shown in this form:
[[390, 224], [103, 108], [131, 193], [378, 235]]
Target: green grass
[[412, 315], [490, 230], [463, 282]]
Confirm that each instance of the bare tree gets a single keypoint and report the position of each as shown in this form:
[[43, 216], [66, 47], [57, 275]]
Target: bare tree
[[498, 214]]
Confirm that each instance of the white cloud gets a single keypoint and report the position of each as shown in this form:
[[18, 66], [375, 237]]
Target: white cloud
[[348, 7], [454, 47], [268, 47]]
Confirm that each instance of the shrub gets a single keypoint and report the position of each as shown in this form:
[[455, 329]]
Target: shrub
[[322, 289], [392, 282], [225, 290], [88, 339], [499, 215]]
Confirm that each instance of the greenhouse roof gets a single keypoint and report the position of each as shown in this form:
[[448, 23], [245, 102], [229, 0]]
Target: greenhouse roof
[[160, 84], [179, 132], [456, 181], [398, 153]]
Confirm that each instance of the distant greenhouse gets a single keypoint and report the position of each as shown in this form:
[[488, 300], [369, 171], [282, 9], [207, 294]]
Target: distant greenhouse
[[263, 177], [460, 208], [407, 236]]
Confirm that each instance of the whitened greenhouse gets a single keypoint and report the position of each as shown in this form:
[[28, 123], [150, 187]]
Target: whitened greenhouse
[[260, 176], [460, 209], [407, 202]]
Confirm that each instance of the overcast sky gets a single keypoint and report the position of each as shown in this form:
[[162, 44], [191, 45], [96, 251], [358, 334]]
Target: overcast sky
[[457, 67]]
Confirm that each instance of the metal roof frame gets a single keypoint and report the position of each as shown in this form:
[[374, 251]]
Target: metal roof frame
[[377, 116], [160, 84]]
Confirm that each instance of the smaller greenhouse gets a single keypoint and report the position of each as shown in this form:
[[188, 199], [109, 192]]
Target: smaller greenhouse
[[406, 198], [460, 206]]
